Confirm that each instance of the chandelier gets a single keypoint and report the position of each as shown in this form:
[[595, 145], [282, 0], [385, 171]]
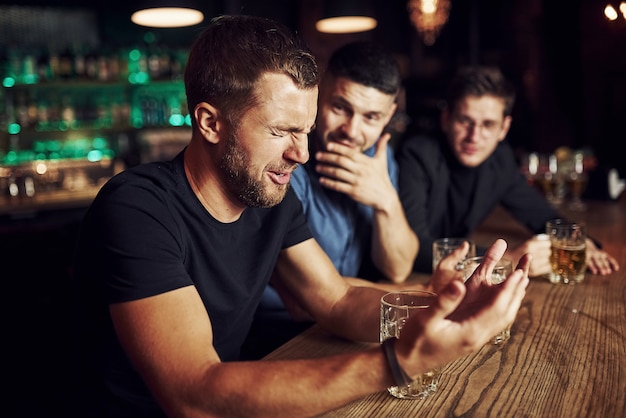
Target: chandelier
[[428, 17], [611, 13]]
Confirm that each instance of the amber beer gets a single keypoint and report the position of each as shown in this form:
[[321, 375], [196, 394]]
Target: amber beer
[[576, 185], [568, 259], [568, 263]]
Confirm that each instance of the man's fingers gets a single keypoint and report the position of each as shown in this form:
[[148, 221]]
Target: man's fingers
[[381, 145], [384, 139], [449, 298], [524, 263], [495, 252], [516, 284], [492, 256], [451, 261], [461, 252]]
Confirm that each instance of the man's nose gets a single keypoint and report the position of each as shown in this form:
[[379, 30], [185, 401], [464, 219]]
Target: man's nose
[[474, 131], [350, 127], [299, 149]]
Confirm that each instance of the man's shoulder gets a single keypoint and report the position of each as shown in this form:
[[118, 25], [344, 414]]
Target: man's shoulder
[[503, 158], [138, 182], [422, 150], [504, 149], [421, 144]]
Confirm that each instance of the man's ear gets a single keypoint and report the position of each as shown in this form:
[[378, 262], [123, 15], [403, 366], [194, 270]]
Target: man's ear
[[392, 111], [207, 121], [506, 125]]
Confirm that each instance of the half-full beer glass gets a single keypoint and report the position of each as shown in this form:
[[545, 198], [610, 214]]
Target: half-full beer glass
[[568, 260]]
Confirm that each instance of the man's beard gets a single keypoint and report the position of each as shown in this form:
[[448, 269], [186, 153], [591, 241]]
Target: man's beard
[[250, 191]]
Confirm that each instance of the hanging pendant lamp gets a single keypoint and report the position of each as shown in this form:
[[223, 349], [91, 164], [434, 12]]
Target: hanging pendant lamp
[[347, 16], [168, 14]]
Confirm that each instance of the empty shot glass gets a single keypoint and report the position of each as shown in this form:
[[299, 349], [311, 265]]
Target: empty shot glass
[[442, 247]]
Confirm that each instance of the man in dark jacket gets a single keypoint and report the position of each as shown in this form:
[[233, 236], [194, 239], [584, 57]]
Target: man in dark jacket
[[449, 185]]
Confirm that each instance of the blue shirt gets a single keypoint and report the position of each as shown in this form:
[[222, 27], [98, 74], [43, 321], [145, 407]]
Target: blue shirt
[[342, 226], [333, 218]]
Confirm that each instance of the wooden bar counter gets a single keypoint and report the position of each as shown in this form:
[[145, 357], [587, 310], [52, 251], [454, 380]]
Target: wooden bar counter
[[566, 356]]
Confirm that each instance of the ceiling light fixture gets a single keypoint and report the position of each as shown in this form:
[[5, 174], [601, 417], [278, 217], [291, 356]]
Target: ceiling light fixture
[[168, 14], [346, 16], [611, 13], [428, 17]]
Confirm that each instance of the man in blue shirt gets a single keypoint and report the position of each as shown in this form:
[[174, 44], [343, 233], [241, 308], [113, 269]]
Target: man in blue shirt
[[348, 188]]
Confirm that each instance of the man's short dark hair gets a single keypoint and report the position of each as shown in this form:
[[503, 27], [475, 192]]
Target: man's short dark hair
[[478, 81], [366, 63], [230, 55]]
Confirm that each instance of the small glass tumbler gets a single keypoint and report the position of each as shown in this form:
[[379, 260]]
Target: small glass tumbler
[[395, 309], [442, 247]]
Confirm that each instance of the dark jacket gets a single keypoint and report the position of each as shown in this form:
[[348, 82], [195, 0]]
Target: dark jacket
[[426, 167]]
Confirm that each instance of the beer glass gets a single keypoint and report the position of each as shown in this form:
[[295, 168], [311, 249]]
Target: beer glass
[[568, 260]]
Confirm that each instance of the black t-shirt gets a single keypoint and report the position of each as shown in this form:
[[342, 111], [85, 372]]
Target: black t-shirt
[[146, 233]]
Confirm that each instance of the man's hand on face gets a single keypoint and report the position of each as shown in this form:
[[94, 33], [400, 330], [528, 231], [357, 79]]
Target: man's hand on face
[[348, 170]]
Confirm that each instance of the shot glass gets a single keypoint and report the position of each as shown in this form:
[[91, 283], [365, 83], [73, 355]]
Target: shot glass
[[442, 247], [501, 271], [395, 309], [568, 259]]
